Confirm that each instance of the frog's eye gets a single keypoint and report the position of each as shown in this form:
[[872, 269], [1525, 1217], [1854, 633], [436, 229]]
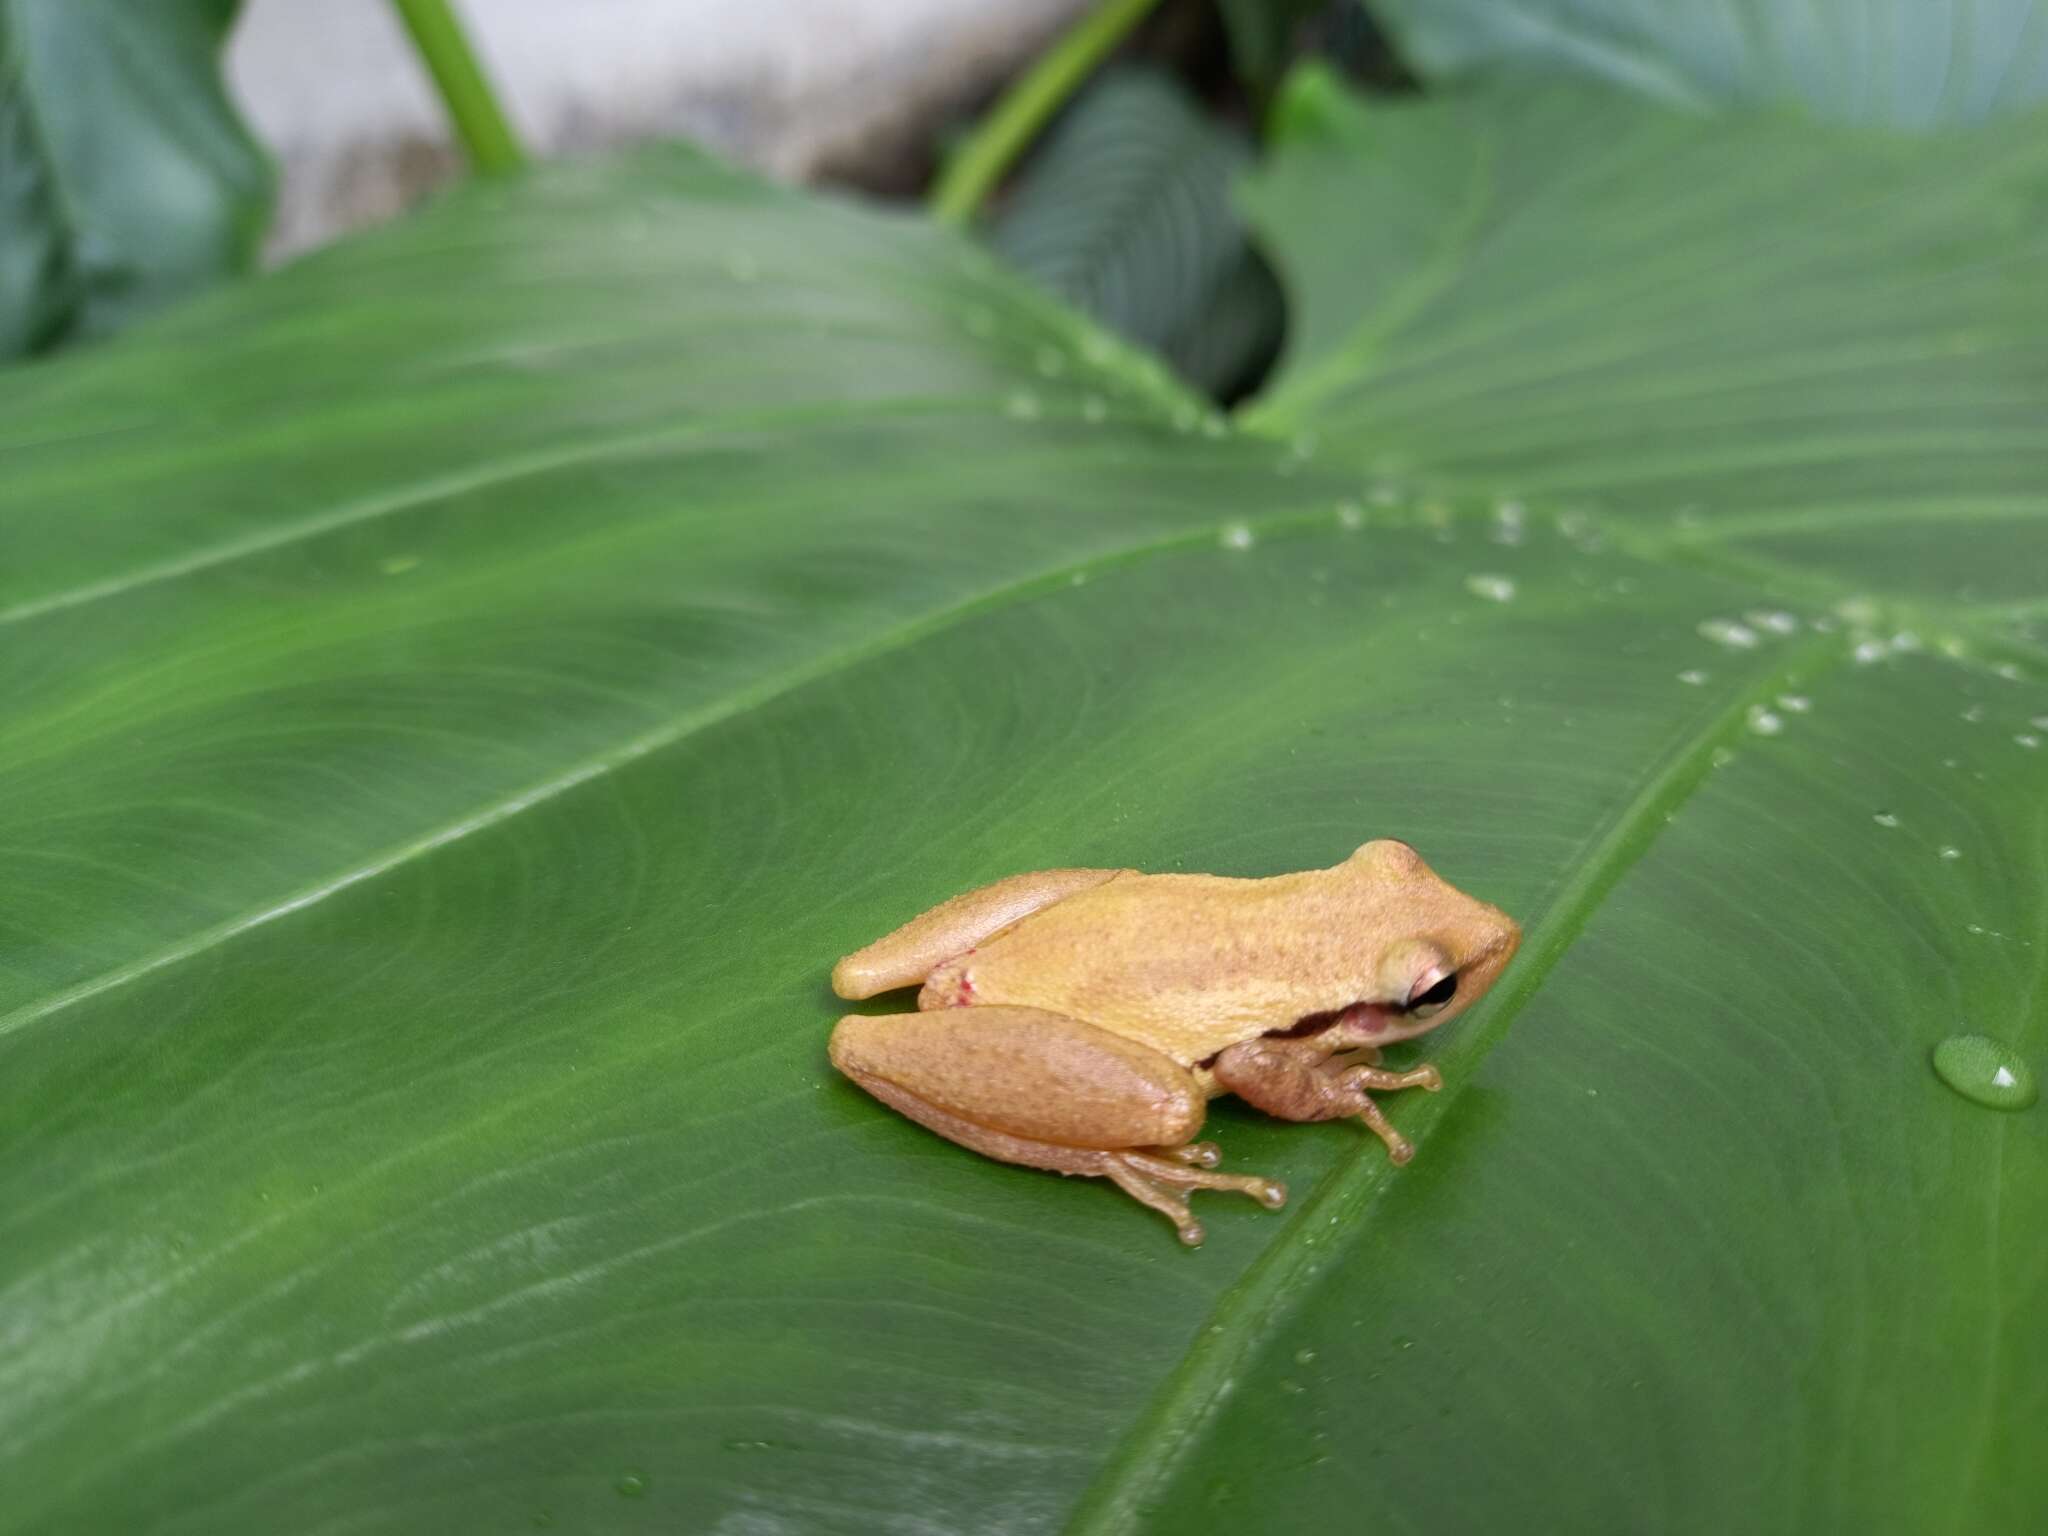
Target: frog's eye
[[1432, 991]]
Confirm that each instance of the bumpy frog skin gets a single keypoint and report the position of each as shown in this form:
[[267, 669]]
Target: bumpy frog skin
[[1081, 1019]]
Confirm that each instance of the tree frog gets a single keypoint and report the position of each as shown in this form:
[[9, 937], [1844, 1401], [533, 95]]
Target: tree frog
[[1081, 1019]]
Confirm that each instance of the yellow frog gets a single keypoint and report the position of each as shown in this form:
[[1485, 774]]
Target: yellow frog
[[1081, 1019]]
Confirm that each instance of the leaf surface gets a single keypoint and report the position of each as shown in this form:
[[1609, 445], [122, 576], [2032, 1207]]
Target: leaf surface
[[456, 715]]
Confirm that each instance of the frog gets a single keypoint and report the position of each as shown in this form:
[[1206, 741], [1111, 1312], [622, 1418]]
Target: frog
[[1081, 1020]]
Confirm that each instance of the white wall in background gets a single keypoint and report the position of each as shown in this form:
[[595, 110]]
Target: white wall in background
[[791, 86]]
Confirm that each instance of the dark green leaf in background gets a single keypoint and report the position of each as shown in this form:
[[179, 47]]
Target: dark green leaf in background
[[126, 178], [1126, 213], [1898, 63], [464, 691], [1261, 34]]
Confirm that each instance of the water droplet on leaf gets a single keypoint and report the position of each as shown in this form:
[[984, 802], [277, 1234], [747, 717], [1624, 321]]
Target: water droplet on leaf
[[1736, 637], [1496, 589], [1985, 1071]]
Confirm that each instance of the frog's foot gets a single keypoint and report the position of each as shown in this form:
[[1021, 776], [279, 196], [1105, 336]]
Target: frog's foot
[[1357, 1079], [1290, 1079], [1151, 1179], [1203, 1154]]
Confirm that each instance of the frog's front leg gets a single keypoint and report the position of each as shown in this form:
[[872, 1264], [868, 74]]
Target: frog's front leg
[[1297, 1080], [1026, 1086], [920, 946]]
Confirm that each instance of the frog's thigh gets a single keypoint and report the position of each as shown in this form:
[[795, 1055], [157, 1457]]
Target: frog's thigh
[[1039, 1080], [908, 955]]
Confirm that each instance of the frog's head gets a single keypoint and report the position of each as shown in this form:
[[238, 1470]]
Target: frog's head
[[1435, 950]]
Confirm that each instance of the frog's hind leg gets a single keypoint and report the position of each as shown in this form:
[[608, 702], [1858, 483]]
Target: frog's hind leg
[[1025, 1086], [927, 941]]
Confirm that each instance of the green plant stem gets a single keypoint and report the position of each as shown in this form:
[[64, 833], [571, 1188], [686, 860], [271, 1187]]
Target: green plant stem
[[472, 105], [993, 147]]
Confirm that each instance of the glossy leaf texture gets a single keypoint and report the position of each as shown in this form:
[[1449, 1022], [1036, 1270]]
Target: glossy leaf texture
[[1914, 64], [126, 177], [519, 651]]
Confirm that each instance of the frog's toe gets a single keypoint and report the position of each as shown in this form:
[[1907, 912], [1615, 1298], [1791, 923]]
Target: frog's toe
[[1399, 1148], [1159, 1179]]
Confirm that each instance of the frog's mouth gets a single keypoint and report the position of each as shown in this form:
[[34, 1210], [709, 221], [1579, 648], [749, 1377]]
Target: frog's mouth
[[1368, 1023]]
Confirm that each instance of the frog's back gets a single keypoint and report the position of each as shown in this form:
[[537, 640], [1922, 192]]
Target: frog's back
[[1187, 964]]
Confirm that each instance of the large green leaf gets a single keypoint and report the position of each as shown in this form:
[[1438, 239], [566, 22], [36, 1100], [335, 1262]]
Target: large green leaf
[[126, 179], [1905, 63], [464, 691]]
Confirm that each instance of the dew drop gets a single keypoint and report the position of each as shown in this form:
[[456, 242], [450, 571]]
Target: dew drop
[[1023, 405], [1868, 651], [1694, 676], [398, 565], [1292, 1388], [1237, 536], [1763, 722], [1304, 1357], [1951, 851], [1722, 757], [1985, 1071], [2027, 741], [1496, 589], [2039, 722], [1973, 715], [2008, 670], [1350, 515], [1797, 703], [631, 1485], [1736, 637], [1885, 819]]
